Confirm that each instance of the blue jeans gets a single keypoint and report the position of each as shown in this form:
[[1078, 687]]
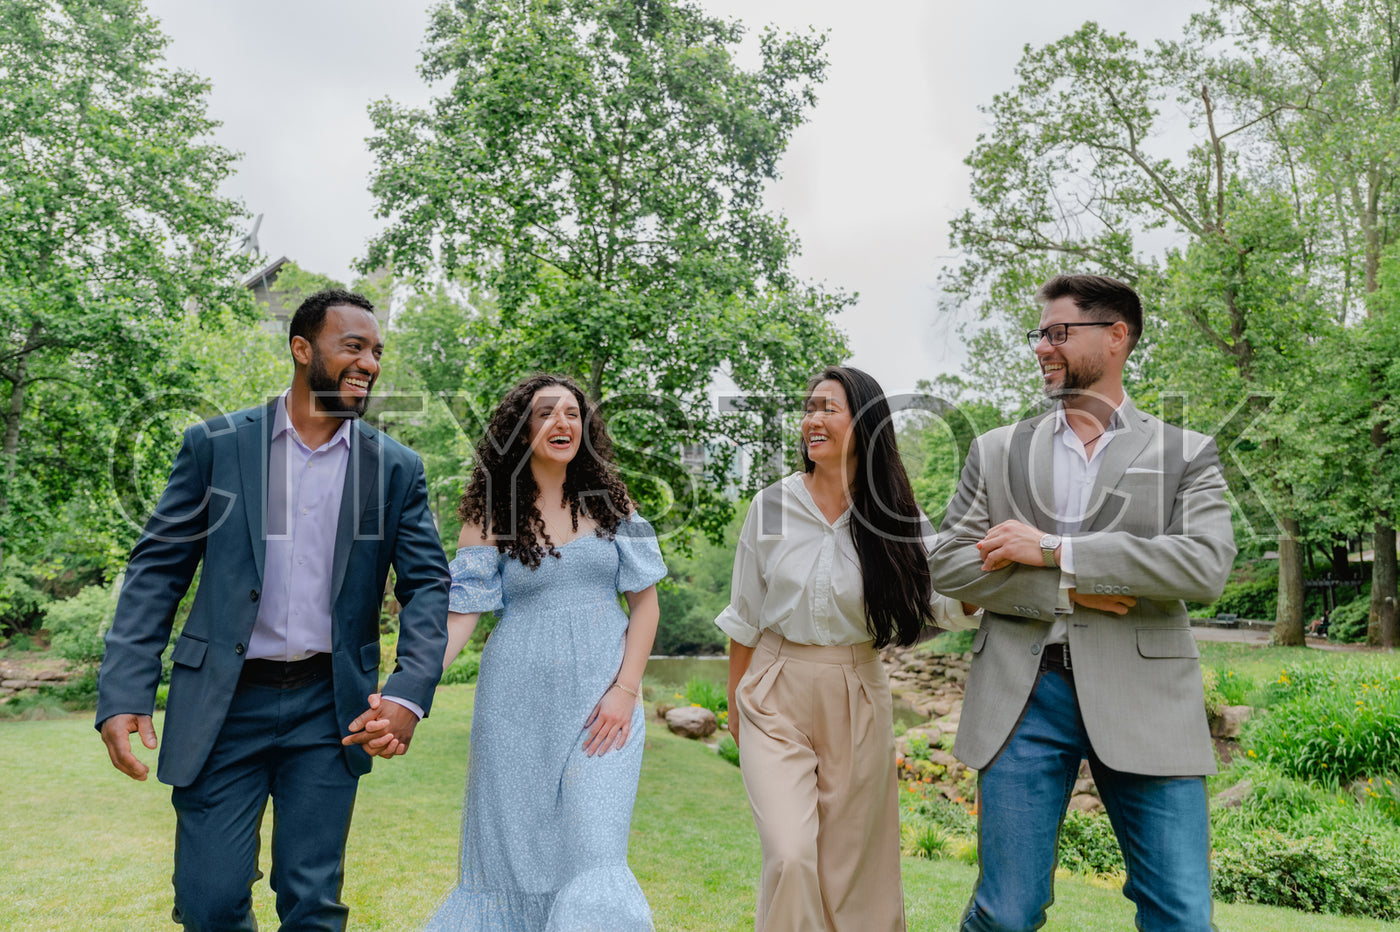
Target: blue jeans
[[1162, 825]]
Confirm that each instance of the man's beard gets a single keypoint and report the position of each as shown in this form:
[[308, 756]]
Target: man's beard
[[1077, 379], [327, 390]]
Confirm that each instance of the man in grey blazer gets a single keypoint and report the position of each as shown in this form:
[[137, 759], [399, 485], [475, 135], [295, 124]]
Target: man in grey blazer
[[296, 510], [1081, 532]]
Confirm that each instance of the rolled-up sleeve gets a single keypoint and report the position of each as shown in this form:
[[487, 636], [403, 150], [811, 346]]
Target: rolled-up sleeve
[[747, 588]]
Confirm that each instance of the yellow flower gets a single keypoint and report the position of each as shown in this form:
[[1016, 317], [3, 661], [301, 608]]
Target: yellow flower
[[1252, 754]]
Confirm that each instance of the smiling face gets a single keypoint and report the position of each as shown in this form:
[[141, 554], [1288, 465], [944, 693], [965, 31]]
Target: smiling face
[[556, 426], [343, 361], [828, 429], [1077, 365]]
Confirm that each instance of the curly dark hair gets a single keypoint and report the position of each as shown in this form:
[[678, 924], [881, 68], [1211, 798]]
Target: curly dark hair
[[502, 497]]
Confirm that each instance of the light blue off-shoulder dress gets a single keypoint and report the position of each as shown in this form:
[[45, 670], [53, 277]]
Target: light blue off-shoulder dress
[[545, 826]]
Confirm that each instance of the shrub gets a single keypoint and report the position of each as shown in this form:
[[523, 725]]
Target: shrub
[[1256, 599], [1348, 622], [727, 749], [1351, 873], [934, 807], [951, 642], [1088, 845], [76, 625], [707, 694], [463, 670], [924, 840], [1330, 724]]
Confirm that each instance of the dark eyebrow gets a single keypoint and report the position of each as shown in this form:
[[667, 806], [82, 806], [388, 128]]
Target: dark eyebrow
[[352, 337]]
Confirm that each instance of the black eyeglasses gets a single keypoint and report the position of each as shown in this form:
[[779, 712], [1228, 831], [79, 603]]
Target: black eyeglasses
[[1059, 333]]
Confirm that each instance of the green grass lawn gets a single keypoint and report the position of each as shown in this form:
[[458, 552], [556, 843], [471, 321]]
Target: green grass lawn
[[86, 848]]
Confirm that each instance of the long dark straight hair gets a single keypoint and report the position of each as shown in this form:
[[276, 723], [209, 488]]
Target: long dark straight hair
[[886, 523]]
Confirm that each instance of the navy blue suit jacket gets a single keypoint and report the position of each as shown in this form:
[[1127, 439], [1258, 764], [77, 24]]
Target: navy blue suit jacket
[[214, 509]]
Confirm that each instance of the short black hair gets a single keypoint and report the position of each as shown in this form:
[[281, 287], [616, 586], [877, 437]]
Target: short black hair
[[307, 321], [1099, 298]]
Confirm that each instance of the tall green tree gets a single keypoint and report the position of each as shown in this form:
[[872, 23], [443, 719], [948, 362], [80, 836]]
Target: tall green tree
[[1333, 68], [111, 230], [1071, 175], [597, 168]]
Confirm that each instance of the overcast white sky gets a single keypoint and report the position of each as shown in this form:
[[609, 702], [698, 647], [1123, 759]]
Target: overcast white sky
[[869, 183]]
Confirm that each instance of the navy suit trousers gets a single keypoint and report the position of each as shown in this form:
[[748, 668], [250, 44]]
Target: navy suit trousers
[[283, 745]]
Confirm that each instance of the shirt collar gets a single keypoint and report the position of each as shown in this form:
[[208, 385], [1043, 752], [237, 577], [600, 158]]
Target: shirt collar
[[1115, 420], [282, 424]]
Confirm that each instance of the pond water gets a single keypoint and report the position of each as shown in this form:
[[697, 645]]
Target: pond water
[[675, 672]]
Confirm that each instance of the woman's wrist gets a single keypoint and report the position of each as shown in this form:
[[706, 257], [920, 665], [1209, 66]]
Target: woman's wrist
[[627, 689]]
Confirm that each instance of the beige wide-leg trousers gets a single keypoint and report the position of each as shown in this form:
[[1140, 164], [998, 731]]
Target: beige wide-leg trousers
[[816, 746]]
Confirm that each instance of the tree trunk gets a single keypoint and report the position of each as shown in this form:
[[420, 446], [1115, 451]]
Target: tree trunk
[[1380, 630], [1341, 558], [14, 413], [1288, 624]]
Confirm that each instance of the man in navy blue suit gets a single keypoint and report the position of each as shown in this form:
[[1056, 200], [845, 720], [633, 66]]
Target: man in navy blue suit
[[297, 509]]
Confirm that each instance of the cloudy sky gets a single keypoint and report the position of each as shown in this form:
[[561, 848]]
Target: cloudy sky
[[869, 183]]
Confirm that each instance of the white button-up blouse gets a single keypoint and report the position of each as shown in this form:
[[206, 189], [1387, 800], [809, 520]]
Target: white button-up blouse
[[799, 574]]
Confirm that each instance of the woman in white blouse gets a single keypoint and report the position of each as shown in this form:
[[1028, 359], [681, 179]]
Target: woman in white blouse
[[831, 566]]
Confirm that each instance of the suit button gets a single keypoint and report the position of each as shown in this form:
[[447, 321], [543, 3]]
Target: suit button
[[238, 648], [253, 596], [1035, 648]]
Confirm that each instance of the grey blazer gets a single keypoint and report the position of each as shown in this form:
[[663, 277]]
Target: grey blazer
[[1157, 528]]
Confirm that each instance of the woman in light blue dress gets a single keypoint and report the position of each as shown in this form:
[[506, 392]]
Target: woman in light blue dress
[[550, 539]]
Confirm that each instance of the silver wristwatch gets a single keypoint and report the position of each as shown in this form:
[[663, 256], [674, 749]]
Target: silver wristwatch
[[1048, 543]]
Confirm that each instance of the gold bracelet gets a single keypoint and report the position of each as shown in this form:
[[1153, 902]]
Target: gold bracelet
[[632, 692]]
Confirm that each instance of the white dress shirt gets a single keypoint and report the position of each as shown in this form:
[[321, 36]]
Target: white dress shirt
[[1075, 473], [800, 576]]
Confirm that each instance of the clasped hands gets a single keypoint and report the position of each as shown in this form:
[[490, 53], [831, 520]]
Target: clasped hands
[[384, 729], [1017, 542]]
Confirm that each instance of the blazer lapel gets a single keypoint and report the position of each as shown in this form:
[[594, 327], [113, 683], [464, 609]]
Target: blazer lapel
[[356, 499], [1030, 482], [254, 448], [1106, 504]]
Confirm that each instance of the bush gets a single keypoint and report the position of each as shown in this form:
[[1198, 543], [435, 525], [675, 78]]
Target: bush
[[1348, 622], [1351, 873], [707, 694], [727, 749], [1088, 845], [924, 840], [951, 642], [1330, 724], [463, 670], [76, 625], [1256, 599]]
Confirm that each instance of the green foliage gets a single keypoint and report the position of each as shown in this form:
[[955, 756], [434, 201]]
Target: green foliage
[[950, 642], [1253, 599], [1348, 622], [1330, 724], [1088, 845], [463, 670], [706, 694], [917, 747], [1350, 873], [76, 625], [589, 187], [925, 840], [728, 749], [112, 229], [1227, 687]]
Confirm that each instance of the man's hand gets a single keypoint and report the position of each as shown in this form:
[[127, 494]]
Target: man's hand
[[116, 734], [1113, 604], [384, 729], [1011, 542]]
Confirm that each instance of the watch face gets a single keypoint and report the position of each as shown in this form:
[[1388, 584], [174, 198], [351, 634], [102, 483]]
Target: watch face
[[1049, 542]]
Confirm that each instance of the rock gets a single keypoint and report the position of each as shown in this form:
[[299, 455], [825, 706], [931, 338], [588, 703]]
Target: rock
[[1083, 802], [1085, 785], [1228, 723], [14, 684], [662, 708], [940, 756], [1234, 797], [692, 722], [942, 706]]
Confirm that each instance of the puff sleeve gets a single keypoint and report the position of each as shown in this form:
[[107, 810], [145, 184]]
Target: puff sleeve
[[476, 580], [639, 563]]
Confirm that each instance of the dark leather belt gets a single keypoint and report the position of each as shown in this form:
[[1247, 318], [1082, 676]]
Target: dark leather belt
[[1055, 657], [291, 674]]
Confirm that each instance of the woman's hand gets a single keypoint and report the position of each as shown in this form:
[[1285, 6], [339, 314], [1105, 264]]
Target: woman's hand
[[378, 739], [610, 725]]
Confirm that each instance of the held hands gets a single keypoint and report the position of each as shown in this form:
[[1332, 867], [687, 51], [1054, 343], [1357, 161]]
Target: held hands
[[1113, 604], [384, 729], [116, 734], [1011, 542], [610, 725]]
